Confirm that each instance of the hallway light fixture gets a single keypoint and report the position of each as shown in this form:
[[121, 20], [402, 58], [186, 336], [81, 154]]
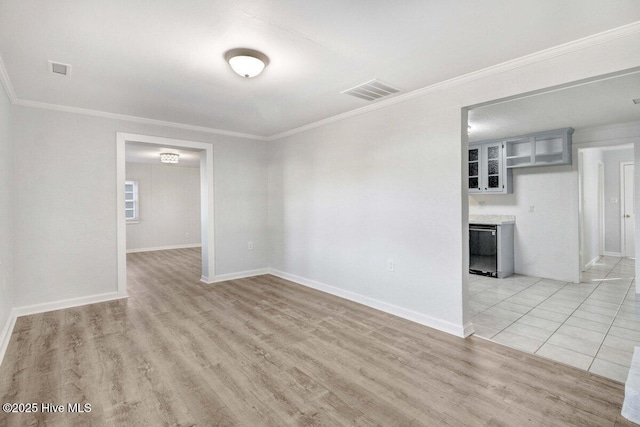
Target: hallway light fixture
[[246, 62], [169, 157]]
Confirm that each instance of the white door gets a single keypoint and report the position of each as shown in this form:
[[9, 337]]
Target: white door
[[627, 216]]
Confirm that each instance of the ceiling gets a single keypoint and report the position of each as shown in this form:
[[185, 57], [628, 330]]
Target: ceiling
[[136, 152], [163, 59], [597, 103]]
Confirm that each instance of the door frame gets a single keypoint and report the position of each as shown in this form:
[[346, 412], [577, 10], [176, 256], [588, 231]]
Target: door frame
[[623, 223], [601, 208], [206, 201]]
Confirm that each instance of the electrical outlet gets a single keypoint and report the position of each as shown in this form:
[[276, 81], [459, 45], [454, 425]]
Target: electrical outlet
[[532, 208], [250, 245], [391, 265], [187, 234]]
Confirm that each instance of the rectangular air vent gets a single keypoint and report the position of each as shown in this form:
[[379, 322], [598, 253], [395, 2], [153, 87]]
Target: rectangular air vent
[[371, 90], [59, 68]]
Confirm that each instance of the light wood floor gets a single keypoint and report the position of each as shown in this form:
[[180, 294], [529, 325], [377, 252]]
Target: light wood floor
[[264, 351]]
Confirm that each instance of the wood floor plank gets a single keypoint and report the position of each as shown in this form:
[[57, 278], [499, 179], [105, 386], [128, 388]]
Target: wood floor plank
[[263, 351]]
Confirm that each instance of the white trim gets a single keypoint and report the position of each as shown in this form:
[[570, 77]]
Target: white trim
[[590, 263], [405, 313], [135, 119], [552, 52], [581, 212], [616, 254], [164, 248], [601, 208], [67, 303], [468, 329], [240, 275], [623, 226], [206, 200], [543, 55], [5, 336]]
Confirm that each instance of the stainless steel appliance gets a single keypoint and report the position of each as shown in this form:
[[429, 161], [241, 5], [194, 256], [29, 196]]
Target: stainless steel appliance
[[483, 249]]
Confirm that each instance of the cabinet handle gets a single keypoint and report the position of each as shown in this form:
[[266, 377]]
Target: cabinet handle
[[627, 216]]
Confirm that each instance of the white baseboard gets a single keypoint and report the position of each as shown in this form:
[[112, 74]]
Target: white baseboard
[[468, 329], [5, 336], [590, 263], [618, 254], [423, 319], [67, 303], [238, 275], [164, 248]]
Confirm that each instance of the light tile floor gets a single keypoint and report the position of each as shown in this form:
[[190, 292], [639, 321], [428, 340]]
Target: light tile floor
[[593, 325]]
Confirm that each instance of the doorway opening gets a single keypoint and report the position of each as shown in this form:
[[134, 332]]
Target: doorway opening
[[126, 209], [573, 289], [605, 199]]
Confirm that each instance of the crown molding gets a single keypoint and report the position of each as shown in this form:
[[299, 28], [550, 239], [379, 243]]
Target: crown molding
[[563, 49], [543, 55], [135, 119]]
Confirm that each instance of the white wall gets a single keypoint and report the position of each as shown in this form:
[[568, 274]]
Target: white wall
[[405, 161], [65, 212], [591, 161], [348, 196], [169, 206], [6, 213], [613, 209], [546, 241]]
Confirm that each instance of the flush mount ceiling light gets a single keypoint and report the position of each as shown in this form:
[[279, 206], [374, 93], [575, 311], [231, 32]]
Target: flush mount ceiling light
[[169, 157], [246, 62]]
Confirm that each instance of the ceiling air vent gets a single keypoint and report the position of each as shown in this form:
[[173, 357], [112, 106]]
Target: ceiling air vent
[[371, 90], [59, 68]]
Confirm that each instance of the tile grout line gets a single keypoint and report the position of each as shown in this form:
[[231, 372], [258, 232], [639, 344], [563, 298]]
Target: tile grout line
[[502, 300], [582, 303], [536, 306], [563, 322], [615, 316]]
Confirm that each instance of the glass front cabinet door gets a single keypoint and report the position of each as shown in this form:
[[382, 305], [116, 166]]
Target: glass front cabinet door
[[487, 169], [474, 169]]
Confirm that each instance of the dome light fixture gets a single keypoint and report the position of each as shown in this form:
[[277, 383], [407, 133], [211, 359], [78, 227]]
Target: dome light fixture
[[169, 157], [246, 62]]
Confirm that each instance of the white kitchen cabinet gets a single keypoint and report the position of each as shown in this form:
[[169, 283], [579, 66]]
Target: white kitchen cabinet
[[547, 148], [487, 169]]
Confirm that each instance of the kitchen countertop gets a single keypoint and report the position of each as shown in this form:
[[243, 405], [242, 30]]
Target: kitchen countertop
[[492, 219]]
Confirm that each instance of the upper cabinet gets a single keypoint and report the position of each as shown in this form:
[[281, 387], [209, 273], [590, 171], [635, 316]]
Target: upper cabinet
[[539, 149], [491, 162], [487, 171]]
